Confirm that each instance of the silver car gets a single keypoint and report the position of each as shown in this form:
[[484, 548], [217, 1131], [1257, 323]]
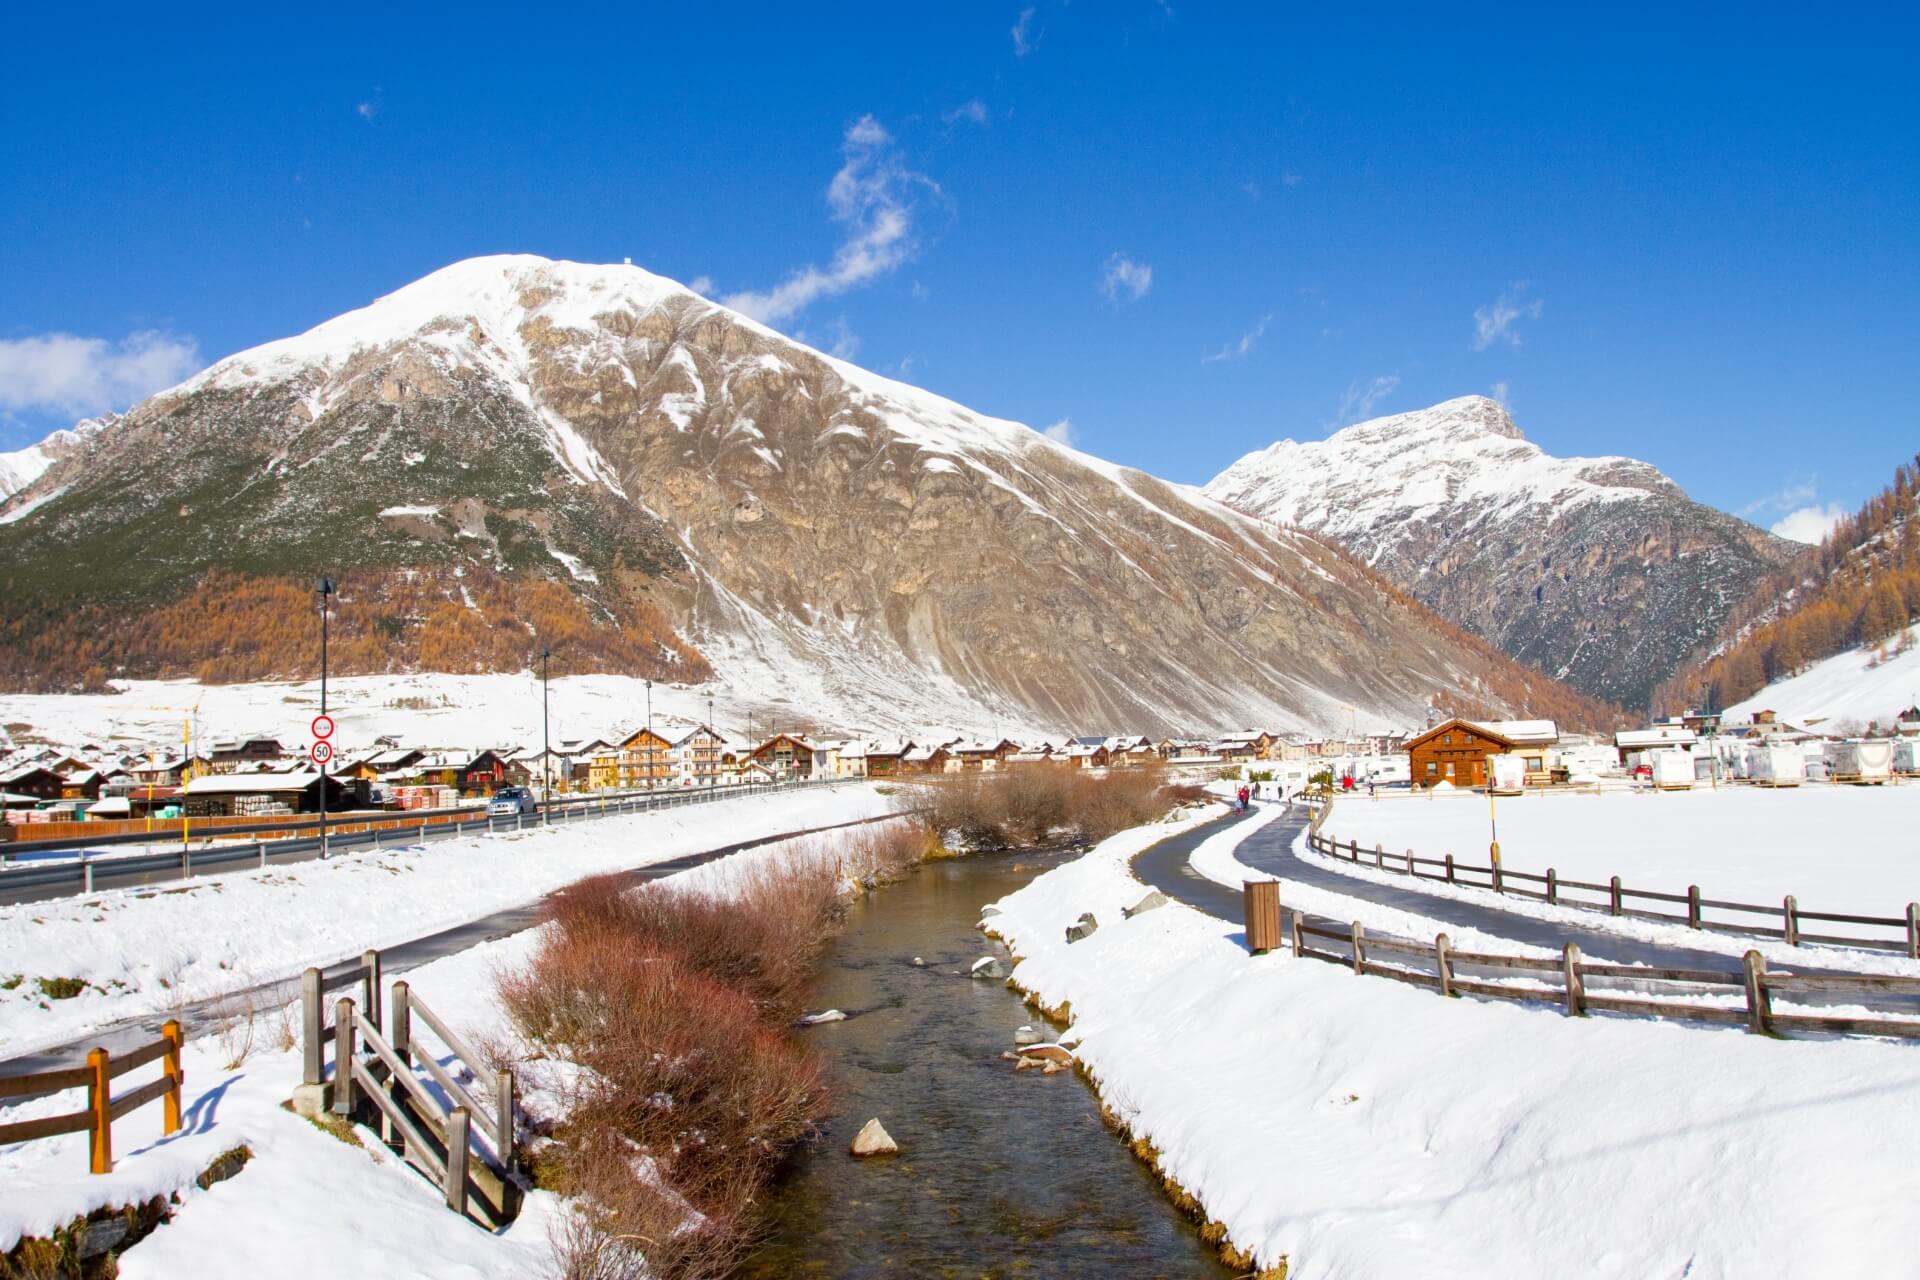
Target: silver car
[[508, 801]]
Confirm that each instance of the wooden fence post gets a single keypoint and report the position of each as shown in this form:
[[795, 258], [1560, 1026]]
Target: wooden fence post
[[1693, 906], [1613, 895], [1790, 915], [1443, 962], [100, 1102], [1496, 878], [1913, 931], [1759, 1002], [170, 1066], [1449, 868], [370, 985], [399, 1038], [1553, 887], [312, 1019], [343, 1057], [1294, 921], [503, 1115], [1359, 947], [1576, 985], [86, 874], [1379, 856], [457, 1160]]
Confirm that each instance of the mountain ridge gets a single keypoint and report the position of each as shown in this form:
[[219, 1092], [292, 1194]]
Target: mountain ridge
[[721, 499]]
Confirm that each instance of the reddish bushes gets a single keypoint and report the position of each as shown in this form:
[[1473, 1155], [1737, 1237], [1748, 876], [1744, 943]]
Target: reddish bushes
[[677, 1004], [1024, 805]]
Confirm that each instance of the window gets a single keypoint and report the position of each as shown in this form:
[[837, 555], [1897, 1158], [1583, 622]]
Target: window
[[1449, 768], [1432, 768], [1448, 739]]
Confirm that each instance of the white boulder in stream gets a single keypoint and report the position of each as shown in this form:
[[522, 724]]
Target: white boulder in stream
[[1027, 1035], [987, 967], [873, 1140], [1083, 927]]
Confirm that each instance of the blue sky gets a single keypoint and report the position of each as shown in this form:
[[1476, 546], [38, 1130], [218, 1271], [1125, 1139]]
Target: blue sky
[[1684, 233]]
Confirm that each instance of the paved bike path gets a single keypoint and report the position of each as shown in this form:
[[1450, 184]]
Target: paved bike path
[[1270, 849]]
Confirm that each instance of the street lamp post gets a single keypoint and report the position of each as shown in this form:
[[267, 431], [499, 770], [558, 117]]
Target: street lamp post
[[546, 743], [713, 746], [325, 588]]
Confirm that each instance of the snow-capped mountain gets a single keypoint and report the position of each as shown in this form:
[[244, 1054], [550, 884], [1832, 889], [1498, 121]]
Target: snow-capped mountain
[[1600, 571], [514, 451], [22, 467]]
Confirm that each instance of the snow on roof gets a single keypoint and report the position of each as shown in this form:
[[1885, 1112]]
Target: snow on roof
[[248, 783], [1664, 735], [1524, 732]]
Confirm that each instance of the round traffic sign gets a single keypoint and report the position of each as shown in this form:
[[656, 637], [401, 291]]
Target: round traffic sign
[[323, 726], [322, 752]]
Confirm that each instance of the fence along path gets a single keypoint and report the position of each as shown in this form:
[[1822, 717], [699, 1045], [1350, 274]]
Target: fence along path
[[102, 1109], [1740, 996], [1614, 899], [453, 1128]]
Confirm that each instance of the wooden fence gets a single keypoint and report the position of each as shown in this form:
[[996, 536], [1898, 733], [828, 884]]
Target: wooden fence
[[1613, 898], [102, 1108], [374, 1081]]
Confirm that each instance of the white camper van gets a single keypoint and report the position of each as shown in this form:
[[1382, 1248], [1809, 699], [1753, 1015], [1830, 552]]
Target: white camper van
[[1506, 774], [1861, 760], [1672, 770], [1776, 765]]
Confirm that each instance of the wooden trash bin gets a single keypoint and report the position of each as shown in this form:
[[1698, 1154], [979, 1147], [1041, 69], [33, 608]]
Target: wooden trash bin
[[1262, 899]]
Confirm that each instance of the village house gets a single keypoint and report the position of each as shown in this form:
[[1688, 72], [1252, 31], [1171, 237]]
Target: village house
[[603, 770], [887, 758], [1634, 745], [981, 756], [646, 760], [230, 755], [35, 780], [1454, 752], [696, 758], [254, 794], [785, 756], [924, 760]]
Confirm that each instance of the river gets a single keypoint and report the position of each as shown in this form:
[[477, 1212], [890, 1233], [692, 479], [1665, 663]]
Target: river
[[1001, 1174]]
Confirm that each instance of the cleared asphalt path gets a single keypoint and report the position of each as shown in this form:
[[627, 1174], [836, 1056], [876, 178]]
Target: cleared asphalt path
[[202, 1016], [1270, 849]]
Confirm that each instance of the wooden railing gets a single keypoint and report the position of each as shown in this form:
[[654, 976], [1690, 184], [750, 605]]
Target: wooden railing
[[102, 1108], [376, 1080], [1742, 996], [1614, 898]]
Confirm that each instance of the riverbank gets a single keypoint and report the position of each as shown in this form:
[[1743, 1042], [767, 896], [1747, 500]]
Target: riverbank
[[1346, 1126]]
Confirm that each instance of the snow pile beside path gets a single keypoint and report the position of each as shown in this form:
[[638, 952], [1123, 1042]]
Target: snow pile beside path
[[148, 951], [1360, 1127]]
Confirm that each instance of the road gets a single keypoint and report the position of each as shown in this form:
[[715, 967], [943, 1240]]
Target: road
[[202, 1016], [1270, 849]]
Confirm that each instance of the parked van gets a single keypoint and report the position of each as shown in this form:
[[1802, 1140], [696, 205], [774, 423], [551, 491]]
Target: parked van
[[1672, 770], [1860, 760]]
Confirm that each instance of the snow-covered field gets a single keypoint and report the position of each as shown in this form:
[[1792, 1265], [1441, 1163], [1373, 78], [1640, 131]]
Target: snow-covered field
[[438, 710], [1359, 1127], [1843, 687], [1842, 849], [145, 951]]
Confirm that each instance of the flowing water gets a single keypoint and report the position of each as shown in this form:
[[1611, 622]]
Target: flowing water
[[1000, 1174]]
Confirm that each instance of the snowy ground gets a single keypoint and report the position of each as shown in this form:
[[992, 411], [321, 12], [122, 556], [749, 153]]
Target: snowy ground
[[1848, 850], [1361, 1127], [147, 951], [432, 710], [286, 1213], [1844, 687]]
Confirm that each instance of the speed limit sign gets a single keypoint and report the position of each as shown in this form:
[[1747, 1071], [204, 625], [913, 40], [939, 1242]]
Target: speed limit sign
[[322, 752], [323, 726]]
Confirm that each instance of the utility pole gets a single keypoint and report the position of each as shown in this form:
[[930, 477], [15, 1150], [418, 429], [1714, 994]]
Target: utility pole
[[650, 750], [325, 587], [546, 742], [713, 744]]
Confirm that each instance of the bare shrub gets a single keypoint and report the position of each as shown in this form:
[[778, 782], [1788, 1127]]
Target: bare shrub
[[233, 1022], [1028, 804]]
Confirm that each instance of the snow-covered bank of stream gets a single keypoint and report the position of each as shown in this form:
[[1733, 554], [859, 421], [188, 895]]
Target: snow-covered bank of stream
[[1359, 1127]]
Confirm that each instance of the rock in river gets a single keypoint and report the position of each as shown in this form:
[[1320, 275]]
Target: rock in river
[[1083, 927], [1027, 1035], [831, 1015], [988, 967], [873, 1140]]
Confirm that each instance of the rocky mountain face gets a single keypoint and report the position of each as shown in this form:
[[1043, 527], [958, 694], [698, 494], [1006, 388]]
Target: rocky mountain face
[[22, 467], [514, 451], [1599, 571]]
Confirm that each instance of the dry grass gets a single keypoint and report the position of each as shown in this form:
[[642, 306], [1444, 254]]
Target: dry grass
[[1030, 804]]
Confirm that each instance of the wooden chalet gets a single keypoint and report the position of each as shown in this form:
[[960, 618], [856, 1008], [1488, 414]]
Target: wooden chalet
[[34, 780], [1454, 752], [784, 755], [646, 760], [887, 759], [981, 756]]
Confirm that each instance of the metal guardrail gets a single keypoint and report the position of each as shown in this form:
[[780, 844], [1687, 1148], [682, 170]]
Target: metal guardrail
[[37, 883]]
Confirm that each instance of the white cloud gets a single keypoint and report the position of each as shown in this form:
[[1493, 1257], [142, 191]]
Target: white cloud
[[65, 373], [1024, 38], [1061, 432], [1503, 394], [1495, 321], [873, 197], [1360, 398], [1809, 524], [1796, 493], [1124, 276], [1235, 350], [368, 109], [976, 111], [702, 285]]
